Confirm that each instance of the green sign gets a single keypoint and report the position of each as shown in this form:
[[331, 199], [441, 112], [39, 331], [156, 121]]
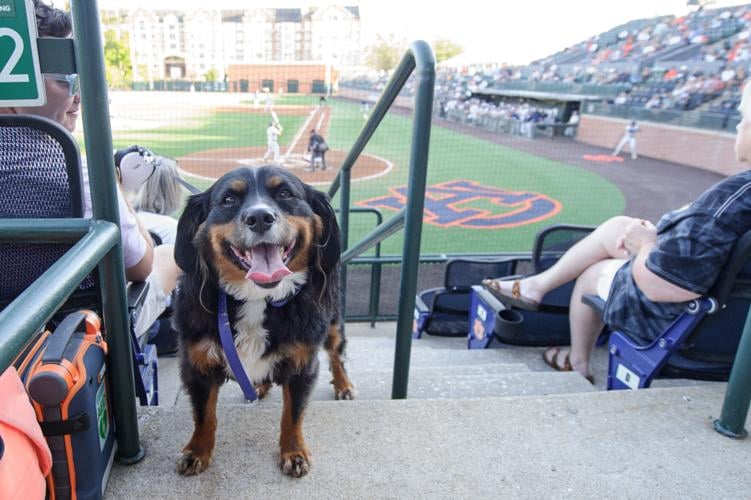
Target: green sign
[[21, 82]]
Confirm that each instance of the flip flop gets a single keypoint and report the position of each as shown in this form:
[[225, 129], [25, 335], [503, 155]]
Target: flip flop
[[513, 300], [566, 366]]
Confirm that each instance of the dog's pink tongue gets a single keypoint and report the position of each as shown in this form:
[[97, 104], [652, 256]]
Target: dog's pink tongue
[[266, 264]]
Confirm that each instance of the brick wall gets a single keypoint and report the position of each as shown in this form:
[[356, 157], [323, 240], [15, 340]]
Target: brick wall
[[699, 148], [280, 74]]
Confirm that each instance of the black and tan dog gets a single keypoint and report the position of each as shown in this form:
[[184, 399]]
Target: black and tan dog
[[272, 244]]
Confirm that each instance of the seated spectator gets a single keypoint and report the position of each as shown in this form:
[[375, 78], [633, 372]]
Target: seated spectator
[[158, 198], [142, 261], [645, 273]]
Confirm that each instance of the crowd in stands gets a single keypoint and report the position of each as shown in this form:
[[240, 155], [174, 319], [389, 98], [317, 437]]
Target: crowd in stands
[[695, 61]]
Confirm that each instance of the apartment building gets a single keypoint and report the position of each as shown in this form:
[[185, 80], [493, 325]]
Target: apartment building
[[198, 43]]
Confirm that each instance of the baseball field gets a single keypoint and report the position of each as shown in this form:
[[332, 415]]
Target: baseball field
[[482, 196]]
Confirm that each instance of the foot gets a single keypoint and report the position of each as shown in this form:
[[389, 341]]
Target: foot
[[516, 293], [295, 463], [192, 463], [560, 360]]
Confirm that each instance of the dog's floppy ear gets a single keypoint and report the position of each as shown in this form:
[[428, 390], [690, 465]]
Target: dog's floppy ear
[[328, 245], [195, 213]]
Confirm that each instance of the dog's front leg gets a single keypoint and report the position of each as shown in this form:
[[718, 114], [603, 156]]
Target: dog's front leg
[[294, 456], [197, 453]]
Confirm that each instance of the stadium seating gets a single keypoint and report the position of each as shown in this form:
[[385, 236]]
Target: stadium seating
[[444, 311], [489, 318], [55, 191], [692, 62]]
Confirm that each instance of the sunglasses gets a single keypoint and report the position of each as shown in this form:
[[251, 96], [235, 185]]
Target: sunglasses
[[74, 84]]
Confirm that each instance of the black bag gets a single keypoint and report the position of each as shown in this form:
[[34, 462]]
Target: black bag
[[321, 147]]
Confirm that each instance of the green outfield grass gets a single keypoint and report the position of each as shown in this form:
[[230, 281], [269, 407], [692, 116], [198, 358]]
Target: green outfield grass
[[586, 198]]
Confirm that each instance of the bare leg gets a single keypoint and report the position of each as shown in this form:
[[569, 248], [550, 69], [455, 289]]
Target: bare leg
[[599, 245], [584, 322], [165, 267]]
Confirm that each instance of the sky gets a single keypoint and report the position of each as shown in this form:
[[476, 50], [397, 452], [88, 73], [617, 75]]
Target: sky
[[504, 31]]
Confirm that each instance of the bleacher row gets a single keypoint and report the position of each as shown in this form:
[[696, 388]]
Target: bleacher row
[[692, 62]]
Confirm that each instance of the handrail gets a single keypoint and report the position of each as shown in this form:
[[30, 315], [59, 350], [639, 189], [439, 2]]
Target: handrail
[[738, 393], [420, 59], [377, 235], [29, 312], [98, 240], [98, 133]]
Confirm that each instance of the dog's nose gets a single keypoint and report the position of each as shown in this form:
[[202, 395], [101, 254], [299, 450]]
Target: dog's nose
[[259, 220]]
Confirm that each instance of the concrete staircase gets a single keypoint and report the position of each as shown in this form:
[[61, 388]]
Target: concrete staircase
[[483, 424]]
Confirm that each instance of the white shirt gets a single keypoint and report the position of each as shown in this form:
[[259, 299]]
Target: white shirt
[[134, 245]]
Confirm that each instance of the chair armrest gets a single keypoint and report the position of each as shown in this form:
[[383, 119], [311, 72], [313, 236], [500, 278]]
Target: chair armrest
[[136, 293], [595, 302]]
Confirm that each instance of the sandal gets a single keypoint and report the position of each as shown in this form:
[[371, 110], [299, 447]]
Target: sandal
[[515, 299], [552, 362]]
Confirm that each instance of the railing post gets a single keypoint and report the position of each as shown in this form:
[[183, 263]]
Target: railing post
[[738, 393], [344, 201], [418, 168], [98, 134]]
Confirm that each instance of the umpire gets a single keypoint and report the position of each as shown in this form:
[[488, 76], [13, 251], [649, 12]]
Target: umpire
[[317, 148]]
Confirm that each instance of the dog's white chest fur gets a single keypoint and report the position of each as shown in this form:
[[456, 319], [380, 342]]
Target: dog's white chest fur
[[251, 339]]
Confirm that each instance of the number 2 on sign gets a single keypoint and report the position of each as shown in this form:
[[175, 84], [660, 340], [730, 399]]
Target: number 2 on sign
[[5, 73]]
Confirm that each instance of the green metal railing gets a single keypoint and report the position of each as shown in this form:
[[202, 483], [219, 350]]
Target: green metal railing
[[375, 273], [419, 59], [738, 394], [98, 239]]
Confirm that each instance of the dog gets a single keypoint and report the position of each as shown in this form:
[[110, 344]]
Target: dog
[[272, 244]]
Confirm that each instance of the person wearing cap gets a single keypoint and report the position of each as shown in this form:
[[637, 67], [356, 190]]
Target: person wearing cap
[[273, 132]]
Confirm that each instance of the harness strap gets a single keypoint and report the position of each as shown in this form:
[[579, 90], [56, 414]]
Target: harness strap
[[230, 351]]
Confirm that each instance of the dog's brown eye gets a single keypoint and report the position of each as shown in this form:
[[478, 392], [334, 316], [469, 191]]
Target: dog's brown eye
[[229, 200], [284, 194]]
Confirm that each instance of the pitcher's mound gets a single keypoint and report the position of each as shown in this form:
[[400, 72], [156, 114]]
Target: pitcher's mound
[[214, 163]]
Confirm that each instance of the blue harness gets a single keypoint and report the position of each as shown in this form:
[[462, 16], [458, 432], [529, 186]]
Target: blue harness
[[228, 344]]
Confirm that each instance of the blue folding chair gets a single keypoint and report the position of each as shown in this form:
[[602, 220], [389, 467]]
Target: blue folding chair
[[444, 311], [702, 341], [491, 319]]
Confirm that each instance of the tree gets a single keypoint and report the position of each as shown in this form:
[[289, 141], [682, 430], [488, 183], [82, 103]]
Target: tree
[[446, 49], [385, 54], [211, 75], [117, 63]]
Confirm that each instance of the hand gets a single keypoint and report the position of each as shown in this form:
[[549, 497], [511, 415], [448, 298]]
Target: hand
[[637, 234]]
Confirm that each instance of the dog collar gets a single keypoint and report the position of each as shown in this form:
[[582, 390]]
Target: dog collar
[[283, 302], [230, 351]]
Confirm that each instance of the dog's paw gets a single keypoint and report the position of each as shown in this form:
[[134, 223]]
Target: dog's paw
[[263, 389], [348, 393], [191, 464], [295, 463]]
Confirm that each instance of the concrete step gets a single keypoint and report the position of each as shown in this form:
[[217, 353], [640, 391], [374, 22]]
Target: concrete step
[[624, 444], [383, 358], [456, 343], [429, 387]]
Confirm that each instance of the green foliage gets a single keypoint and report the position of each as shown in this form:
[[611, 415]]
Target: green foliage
[[117, 59], [211, 75], [446, 49], [385, 54]]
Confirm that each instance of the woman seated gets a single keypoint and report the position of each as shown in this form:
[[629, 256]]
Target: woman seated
[[645, 273], [159, 197]]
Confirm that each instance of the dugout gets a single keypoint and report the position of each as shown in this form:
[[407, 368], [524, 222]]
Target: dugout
[[563, 102]]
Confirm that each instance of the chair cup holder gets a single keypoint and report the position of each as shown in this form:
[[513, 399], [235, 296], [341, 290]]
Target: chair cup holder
[[509, 323]]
